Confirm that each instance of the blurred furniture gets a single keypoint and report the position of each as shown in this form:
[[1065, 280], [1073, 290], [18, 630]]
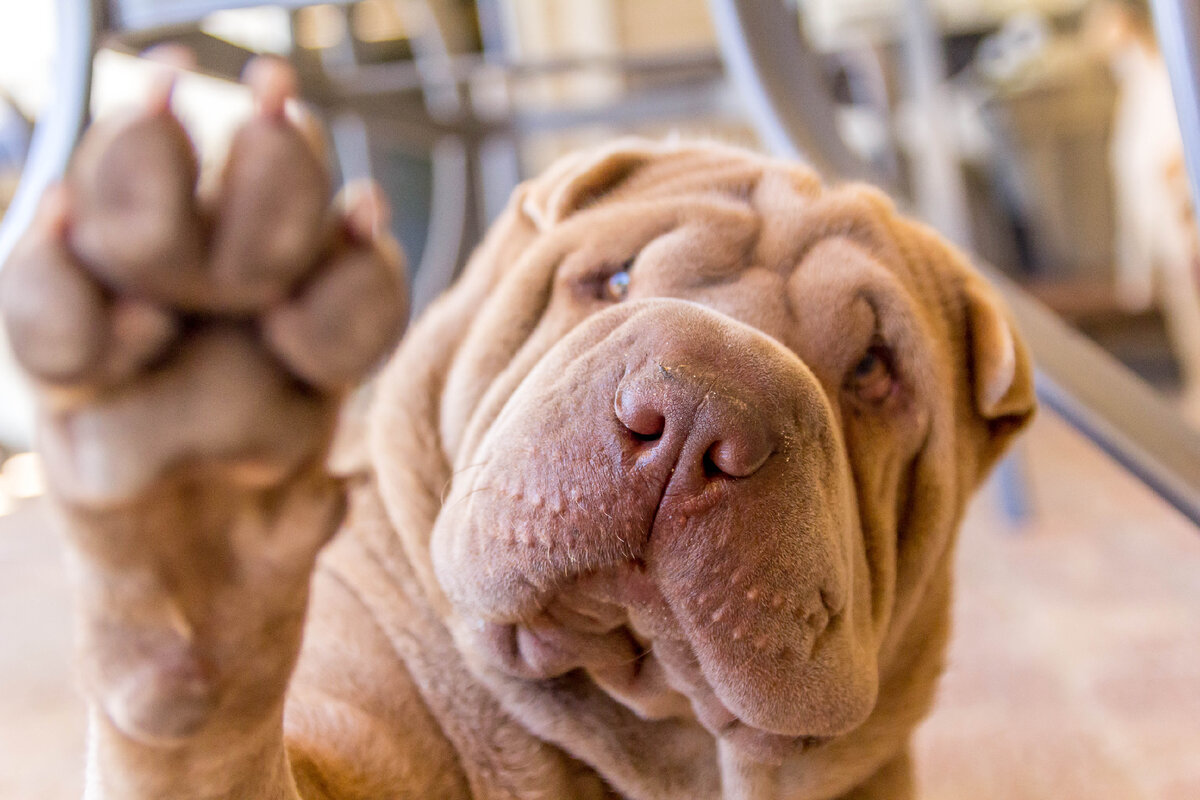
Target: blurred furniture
[[1053, 124]]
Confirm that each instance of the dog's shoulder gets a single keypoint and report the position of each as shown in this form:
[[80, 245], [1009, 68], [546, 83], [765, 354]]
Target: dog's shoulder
[[356, 723]]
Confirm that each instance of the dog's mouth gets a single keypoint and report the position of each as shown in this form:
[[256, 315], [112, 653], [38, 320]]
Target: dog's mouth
[[616, 629]]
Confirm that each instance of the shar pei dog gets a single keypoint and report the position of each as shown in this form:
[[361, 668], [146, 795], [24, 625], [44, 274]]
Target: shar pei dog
[[657, 501]]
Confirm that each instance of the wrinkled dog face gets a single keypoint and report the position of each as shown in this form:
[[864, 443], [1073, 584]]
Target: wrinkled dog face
[[708, 430]]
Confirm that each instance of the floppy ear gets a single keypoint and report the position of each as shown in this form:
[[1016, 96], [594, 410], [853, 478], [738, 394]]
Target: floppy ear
[[1000, 369], [577, 180]]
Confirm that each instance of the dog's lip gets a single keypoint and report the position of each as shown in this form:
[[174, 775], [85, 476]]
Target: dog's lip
[[765, 746], [535, 655], [538, 652], [562, 636]]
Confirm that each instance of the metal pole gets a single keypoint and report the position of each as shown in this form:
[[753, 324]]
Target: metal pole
[[781, 81], [938, 189], [56, 132], [54, 137], [1115, 409], [1177, 23]]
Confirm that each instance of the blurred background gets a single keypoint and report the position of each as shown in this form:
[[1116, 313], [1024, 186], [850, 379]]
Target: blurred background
[[1038, 134]]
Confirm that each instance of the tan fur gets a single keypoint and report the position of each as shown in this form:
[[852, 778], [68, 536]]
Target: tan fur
[[685, 544], [748, 211]]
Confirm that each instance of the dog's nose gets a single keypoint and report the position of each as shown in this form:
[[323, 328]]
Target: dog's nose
[[706, 429]]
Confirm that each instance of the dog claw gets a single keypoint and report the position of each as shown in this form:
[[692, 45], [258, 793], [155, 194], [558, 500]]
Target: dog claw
[[367, 210], [272, 82]]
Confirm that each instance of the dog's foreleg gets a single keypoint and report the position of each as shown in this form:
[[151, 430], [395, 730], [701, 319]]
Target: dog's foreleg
[[190, 352]]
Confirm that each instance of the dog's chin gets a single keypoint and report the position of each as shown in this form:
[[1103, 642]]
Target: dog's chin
[[632, 650]]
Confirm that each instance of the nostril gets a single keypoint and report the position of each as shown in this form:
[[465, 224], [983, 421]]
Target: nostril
[[711, 470], [647, 437], [643, 421], [737, 457], [644, 424]]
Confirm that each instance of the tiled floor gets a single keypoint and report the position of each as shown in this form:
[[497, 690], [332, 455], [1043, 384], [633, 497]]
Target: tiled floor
[[1075, 670], [41, 717]]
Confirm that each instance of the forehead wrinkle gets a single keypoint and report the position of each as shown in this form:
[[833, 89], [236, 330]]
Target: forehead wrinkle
[[843, 288], [734, 181], [532, 280], [911, 251], [853, 215], [854, 212]]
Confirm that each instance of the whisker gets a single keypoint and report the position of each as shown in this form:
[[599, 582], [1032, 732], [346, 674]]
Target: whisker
[[455, 474], [468, 494]]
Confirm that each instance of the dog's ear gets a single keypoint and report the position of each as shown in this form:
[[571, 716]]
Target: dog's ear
[[578, 180], [1001, 372]]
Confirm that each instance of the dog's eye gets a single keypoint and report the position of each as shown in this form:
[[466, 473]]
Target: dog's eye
[[616, 288], [872, 379]]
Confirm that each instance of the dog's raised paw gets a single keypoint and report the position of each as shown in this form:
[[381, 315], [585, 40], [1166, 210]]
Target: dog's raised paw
[[168, 328]]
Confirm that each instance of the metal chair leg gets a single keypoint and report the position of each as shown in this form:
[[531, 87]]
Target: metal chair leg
[[1177, 23], [56, 132], [780, 79]]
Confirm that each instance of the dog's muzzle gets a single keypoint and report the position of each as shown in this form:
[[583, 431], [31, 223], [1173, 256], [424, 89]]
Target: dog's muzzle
[[665, 503]]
